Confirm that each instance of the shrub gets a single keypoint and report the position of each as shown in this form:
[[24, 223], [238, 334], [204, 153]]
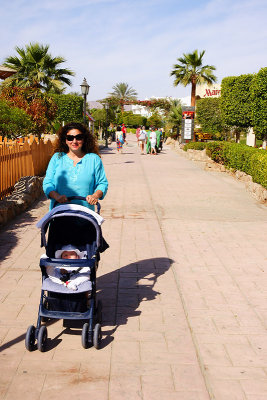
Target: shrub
[[258, 167], [14, 121], [195, 146], [215, 151], [69, 108], [208, 115], [259, 108], [237, 100], [240, 157], [237, 156], [39, 106]]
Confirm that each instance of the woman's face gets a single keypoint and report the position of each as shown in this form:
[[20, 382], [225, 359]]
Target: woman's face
[[74, 140]]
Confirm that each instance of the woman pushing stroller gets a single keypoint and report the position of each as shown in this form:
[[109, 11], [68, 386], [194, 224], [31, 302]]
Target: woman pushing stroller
[[72, 237]]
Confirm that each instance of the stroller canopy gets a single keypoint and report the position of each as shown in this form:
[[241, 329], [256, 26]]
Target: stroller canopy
[[71, 224]]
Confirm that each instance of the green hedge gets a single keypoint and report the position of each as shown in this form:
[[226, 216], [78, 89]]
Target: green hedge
[[70, 108], [259, 107], [237, 100], [208, 114], [195, 146], [237, 156]]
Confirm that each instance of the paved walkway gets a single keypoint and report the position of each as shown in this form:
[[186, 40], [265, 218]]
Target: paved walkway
[[183, 286]]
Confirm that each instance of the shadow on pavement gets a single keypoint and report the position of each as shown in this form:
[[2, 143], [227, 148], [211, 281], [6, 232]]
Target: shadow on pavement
[[121, 292], [9, 233]]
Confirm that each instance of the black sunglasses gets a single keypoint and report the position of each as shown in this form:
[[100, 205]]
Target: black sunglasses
[[70, 138]]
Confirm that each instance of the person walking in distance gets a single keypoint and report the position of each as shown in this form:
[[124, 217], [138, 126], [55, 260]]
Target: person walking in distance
[[137, 133], [153, 140], [124, 131], [119, 139], [142, 139]]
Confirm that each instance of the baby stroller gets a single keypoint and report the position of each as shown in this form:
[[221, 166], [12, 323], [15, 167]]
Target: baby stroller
[[80, 226]]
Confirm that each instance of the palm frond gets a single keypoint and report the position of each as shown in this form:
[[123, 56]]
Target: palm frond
[[36, 67]]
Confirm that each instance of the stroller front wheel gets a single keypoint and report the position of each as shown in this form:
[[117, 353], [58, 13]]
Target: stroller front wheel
[[30, 338], [85, 331], [42, 337], [97, 336]]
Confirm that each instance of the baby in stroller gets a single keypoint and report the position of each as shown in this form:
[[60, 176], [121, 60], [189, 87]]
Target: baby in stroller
[[67, 276]]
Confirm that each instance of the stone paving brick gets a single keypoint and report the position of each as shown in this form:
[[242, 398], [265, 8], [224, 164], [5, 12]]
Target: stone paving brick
[[222, 389], [234, 373], [122, 387], [75, 385], [188, 377], [255, 387], [23, 386]]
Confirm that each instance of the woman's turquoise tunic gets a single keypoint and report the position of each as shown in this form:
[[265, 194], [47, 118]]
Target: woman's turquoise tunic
[[87, 176]]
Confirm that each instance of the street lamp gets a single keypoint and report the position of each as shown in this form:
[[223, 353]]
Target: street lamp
[[106, 131], [85, 90]]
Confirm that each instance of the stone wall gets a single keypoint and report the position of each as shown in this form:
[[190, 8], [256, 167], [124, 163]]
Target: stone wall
[[256, 190], [26, 191]]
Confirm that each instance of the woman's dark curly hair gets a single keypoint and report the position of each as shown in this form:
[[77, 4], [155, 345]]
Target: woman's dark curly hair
[[90, 144]]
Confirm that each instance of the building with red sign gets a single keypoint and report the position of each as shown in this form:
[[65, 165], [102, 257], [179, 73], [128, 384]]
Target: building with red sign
[[207, 91]]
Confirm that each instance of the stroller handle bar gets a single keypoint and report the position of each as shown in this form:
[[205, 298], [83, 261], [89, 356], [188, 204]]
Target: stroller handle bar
[[80, 198]]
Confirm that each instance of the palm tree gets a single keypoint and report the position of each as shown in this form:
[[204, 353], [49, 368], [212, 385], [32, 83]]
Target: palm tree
[[123, 92], [37, 68], [174, 117], [191, 70]]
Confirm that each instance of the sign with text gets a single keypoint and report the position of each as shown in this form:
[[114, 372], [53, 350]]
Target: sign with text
[[188, 115]]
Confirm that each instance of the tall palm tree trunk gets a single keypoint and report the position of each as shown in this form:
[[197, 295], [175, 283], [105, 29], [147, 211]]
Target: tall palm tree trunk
[[193, 93], [122, 106]]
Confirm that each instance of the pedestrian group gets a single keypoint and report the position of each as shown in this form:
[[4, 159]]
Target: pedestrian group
[[152, 138]]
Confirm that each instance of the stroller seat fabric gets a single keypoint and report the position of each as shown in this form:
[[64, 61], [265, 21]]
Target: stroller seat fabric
[[69, 279], [51, 286]]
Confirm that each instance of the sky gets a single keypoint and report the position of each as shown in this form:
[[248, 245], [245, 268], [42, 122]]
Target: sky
[[139, 41]]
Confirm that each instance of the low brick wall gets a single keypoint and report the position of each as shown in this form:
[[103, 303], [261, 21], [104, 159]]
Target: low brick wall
[[26, 191]]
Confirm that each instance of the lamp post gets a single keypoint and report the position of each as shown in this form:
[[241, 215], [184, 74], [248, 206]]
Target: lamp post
[[85, 90], [106, 130]]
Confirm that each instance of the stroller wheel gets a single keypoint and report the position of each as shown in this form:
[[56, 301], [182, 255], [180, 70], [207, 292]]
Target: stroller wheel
[[97, 336], [42, 337], [30, 338], [85, 341]]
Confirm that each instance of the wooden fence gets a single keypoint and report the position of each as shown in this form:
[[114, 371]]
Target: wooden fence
[[18, 159]]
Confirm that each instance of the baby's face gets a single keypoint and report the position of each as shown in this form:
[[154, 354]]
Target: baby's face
[[69, 254]]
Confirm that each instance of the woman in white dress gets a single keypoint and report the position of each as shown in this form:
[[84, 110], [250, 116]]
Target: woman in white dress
[[153, 141]]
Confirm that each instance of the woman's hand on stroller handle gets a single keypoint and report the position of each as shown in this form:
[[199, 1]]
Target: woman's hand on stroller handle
[[91, 199], [59, 198]]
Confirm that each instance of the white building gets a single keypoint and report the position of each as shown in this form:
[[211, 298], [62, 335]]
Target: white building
[[142, 110]]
